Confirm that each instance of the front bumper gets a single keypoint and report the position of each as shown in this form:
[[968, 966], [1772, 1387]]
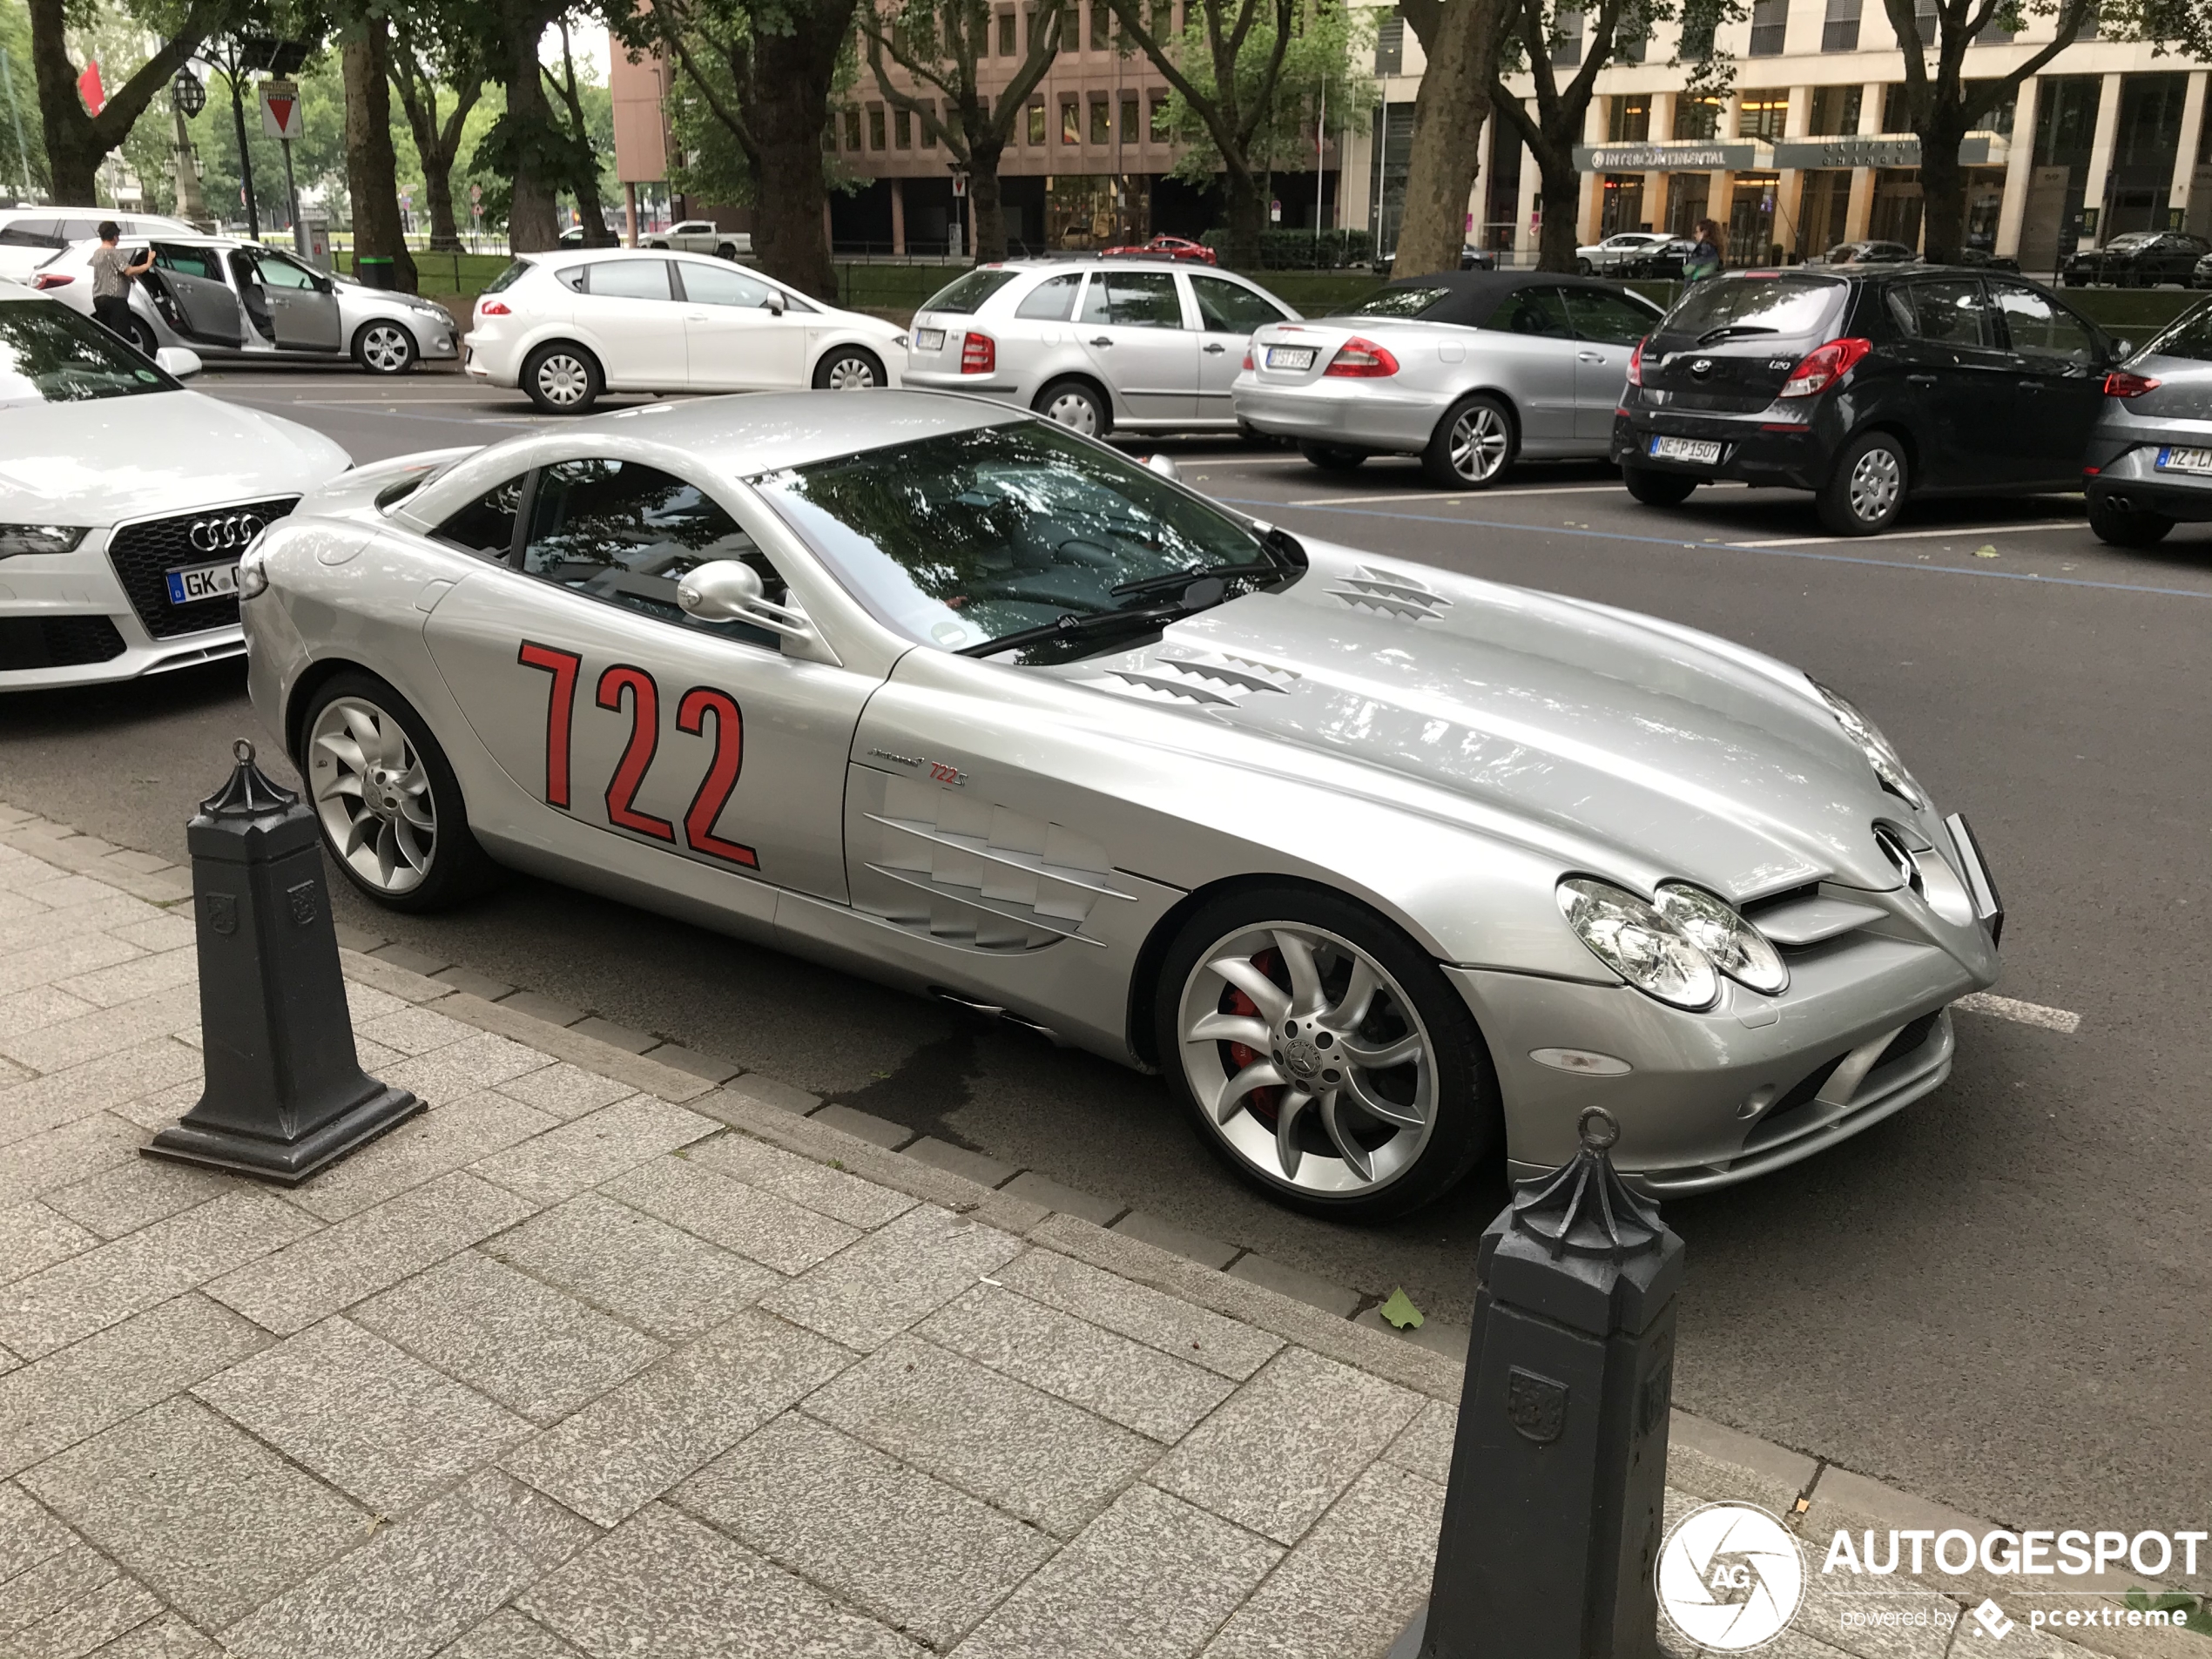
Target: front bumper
[[1708, 1100], [1351, 412], [65, 620]]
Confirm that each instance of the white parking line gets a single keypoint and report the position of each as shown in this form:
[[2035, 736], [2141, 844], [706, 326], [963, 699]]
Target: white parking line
[[1924, 536], [1461, 498], [2064, 1021]]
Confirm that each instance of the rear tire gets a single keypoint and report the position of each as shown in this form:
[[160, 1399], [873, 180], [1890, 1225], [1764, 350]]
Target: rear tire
[[1077, 406], [141, 337], [1656, 488], [727, 251], [1331, 457], [2119, 526], [562, 378], [1473, 445], [1585, 268], [1867, 490], [848, 368]]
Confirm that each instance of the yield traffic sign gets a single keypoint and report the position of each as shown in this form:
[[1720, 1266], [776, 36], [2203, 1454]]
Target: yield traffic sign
[[280, 114]]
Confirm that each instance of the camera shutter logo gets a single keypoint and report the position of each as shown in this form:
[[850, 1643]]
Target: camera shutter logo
[[221, 532], [1730, 1577]]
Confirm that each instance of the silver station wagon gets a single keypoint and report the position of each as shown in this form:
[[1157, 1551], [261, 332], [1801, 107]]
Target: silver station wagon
[[1151, 345]]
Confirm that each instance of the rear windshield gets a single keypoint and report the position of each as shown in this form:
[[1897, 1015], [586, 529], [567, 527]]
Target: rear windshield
[[1395, 302], [966, 295], [510, 277], [2189, 335], [1744, 306]]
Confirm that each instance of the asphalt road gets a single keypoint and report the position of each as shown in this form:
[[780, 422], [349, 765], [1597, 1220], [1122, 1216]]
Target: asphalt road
[[1998, 1298]]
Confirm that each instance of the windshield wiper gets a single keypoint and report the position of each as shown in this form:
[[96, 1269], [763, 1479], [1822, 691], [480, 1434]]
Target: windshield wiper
[[1726, 329], [1070, 627], [1199, 573]]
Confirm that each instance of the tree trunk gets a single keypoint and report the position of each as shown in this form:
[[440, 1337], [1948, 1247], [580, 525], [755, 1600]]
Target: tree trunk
[[1247, 214], [1563, 185], [791, 76], [372, 169], [990, 206], [1455, 102], [532, 225], [78, 142], [1943, 192], [437, 191]]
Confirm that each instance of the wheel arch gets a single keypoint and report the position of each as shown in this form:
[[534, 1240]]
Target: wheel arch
[[1086, 377], [301, 693], [1498, 393], [1891, 426], [848, 342]]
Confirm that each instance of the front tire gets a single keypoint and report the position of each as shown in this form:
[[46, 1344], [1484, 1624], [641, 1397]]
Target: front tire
[[1866, 492], [1473, 445], [1077, 406], [1656, 488], [1583, 268], [1323, 1055], [562, 378], [387, 803], [384, 347], [1331, 457], [848, 368], [2118, 526]]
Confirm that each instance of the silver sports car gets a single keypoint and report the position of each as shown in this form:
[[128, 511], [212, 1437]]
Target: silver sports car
[[1468, 370], [1381, 865]]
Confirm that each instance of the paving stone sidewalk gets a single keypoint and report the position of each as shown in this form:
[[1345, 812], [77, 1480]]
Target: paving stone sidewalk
[[595, 1358]]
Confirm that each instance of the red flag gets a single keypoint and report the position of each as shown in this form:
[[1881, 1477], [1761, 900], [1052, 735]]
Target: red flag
[[88, 88]]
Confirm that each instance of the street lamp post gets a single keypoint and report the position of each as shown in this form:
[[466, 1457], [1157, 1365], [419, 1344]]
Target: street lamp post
[[187, 98]]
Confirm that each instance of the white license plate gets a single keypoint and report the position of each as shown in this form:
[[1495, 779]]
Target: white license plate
[[1698, 450], [929, 340], [197, 581], [1290, 356], [2185, 461]]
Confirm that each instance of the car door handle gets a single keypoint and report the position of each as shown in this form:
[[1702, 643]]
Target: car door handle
[[2030, 386], [695, 316], [1920, 380], [1217, 350], [1589, 357], [1101, 340]]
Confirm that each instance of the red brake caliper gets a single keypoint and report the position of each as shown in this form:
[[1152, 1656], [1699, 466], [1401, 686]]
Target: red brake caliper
[[1262, 1103]]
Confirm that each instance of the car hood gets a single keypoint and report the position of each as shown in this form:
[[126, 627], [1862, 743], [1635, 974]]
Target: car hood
[[113, 458], [1597, 732]]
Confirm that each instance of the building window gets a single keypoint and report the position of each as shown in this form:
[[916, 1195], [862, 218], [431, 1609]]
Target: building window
[[2090, 26], [902, 128], [1629, 120], [1101, 20], [852, 129], [928, 127], [1158, 129], [1998, 119], [1071, 121], [1763, 115], [1840, 32], [1006, 34], [1390, 45], [1698, 118], [1036, 122], [1567, 39], [1631, 40], [1129, 118], [1994, 33], [1696, 47], [1835, 110], [1102, 125], [1896, 108], [1769, 27], [875, 126]]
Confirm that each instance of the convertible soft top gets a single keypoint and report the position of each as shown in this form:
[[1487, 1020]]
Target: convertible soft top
[[1470, 298]]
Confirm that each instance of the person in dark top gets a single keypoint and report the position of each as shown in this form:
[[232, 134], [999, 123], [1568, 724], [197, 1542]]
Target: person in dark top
[[1704, 260]]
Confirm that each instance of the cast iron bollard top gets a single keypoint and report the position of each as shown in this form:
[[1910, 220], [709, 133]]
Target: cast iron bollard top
[[248, 792], [1583, 1208]]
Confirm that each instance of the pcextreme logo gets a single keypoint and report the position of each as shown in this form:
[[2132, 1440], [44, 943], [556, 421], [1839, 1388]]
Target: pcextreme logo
[[1730, 1577]]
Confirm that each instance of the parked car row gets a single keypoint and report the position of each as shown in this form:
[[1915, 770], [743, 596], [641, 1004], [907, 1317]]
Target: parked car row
[[2143, 259]]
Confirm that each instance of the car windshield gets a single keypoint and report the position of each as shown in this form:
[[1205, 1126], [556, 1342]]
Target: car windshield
[[1747, 306], [50, 354], [966, 295], [2133, 238], [2189, 335], [1395, 302], [969, 537]]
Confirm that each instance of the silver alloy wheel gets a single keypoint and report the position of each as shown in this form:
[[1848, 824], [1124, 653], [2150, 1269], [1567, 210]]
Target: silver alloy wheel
[[1479, 443], [852, 373], [1876, 480], [373, 794], [386, 348], [1308, 1060], [563, 380], [1075, 410]]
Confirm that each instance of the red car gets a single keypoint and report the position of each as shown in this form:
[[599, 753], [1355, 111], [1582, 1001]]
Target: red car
[[1172, 247]]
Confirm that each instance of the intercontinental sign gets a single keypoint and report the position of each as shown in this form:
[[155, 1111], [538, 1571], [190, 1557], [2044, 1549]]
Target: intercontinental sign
[[1886, 150]]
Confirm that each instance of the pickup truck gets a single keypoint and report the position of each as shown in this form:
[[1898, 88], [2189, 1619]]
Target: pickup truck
[[700, 236]]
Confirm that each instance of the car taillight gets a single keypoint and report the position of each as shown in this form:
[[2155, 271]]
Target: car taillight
[[1248, 360], [1361, 359], [979, 354], [1635, 365], [1819, 370], [46, 279], [493, 308], [2121, 383]]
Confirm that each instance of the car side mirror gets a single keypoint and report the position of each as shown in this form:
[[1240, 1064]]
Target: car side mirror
[[1164, 465], [177, 362], [729, 590], [773, 305]]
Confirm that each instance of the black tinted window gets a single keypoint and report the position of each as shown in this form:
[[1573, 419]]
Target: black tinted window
[[1954, 312], [2047, 334], [50, 354], [1746, 305], [1541, 312], [1607, 318], [966, 295], [1228, 308], [2189, 335], [487, 524], [29, 233]]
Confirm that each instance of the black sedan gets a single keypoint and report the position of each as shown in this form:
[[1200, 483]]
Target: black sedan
[[1868, 253], [1866, 385], [2139, 260], [2149, 464]]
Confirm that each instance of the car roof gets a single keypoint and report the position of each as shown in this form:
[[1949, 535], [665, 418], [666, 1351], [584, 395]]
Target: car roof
[[769, 431], [1471, 296], [1084, 261]]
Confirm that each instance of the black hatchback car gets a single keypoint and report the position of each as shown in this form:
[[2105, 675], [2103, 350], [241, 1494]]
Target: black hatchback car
[[1866, 386]]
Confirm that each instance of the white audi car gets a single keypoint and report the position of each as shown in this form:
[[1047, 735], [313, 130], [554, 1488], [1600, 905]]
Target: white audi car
[[125, 501], [567, 325]]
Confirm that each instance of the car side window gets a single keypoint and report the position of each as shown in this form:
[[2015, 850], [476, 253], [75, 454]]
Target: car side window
[[709, 285], [486, 525], [282, 273], [629, 280], [201, 262], [1607, 318], [625, 534], [1133, 300], [572, 279], [1227, 307], [1533, 311], [2046, 334], [29, 233], [1954, 312], [1050, 300]]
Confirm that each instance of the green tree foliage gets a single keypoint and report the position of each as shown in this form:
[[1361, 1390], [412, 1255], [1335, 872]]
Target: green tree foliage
[[1322, 67], [318, 156], [22, 140], [76, 140]]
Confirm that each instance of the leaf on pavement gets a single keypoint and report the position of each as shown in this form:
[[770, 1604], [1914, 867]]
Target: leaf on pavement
[[1986, 551], [1400, 1311]]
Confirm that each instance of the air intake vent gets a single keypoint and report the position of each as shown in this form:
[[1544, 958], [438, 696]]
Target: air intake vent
[[1217, 681], [1392, 594]]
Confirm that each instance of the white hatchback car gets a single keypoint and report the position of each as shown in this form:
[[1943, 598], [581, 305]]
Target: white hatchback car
[[31, 236], [1153, 344], [567, 325]]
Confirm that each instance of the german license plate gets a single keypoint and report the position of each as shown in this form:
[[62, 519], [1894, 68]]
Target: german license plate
[[197, 581], [929, 340], [2172, 460], [1697, 450], [1290, 357]]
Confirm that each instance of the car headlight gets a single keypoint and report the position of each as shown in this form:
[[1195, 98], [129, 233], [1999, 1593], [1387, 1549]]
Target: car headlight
[[1737, 948], [1637, 943], [38, 538], [252, 571], [1880, 752]]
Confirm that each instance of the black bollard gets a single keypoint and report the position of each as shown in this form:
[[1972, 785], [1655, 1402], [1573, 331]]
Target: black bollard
[[285, 1093], [1559, 1465]]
